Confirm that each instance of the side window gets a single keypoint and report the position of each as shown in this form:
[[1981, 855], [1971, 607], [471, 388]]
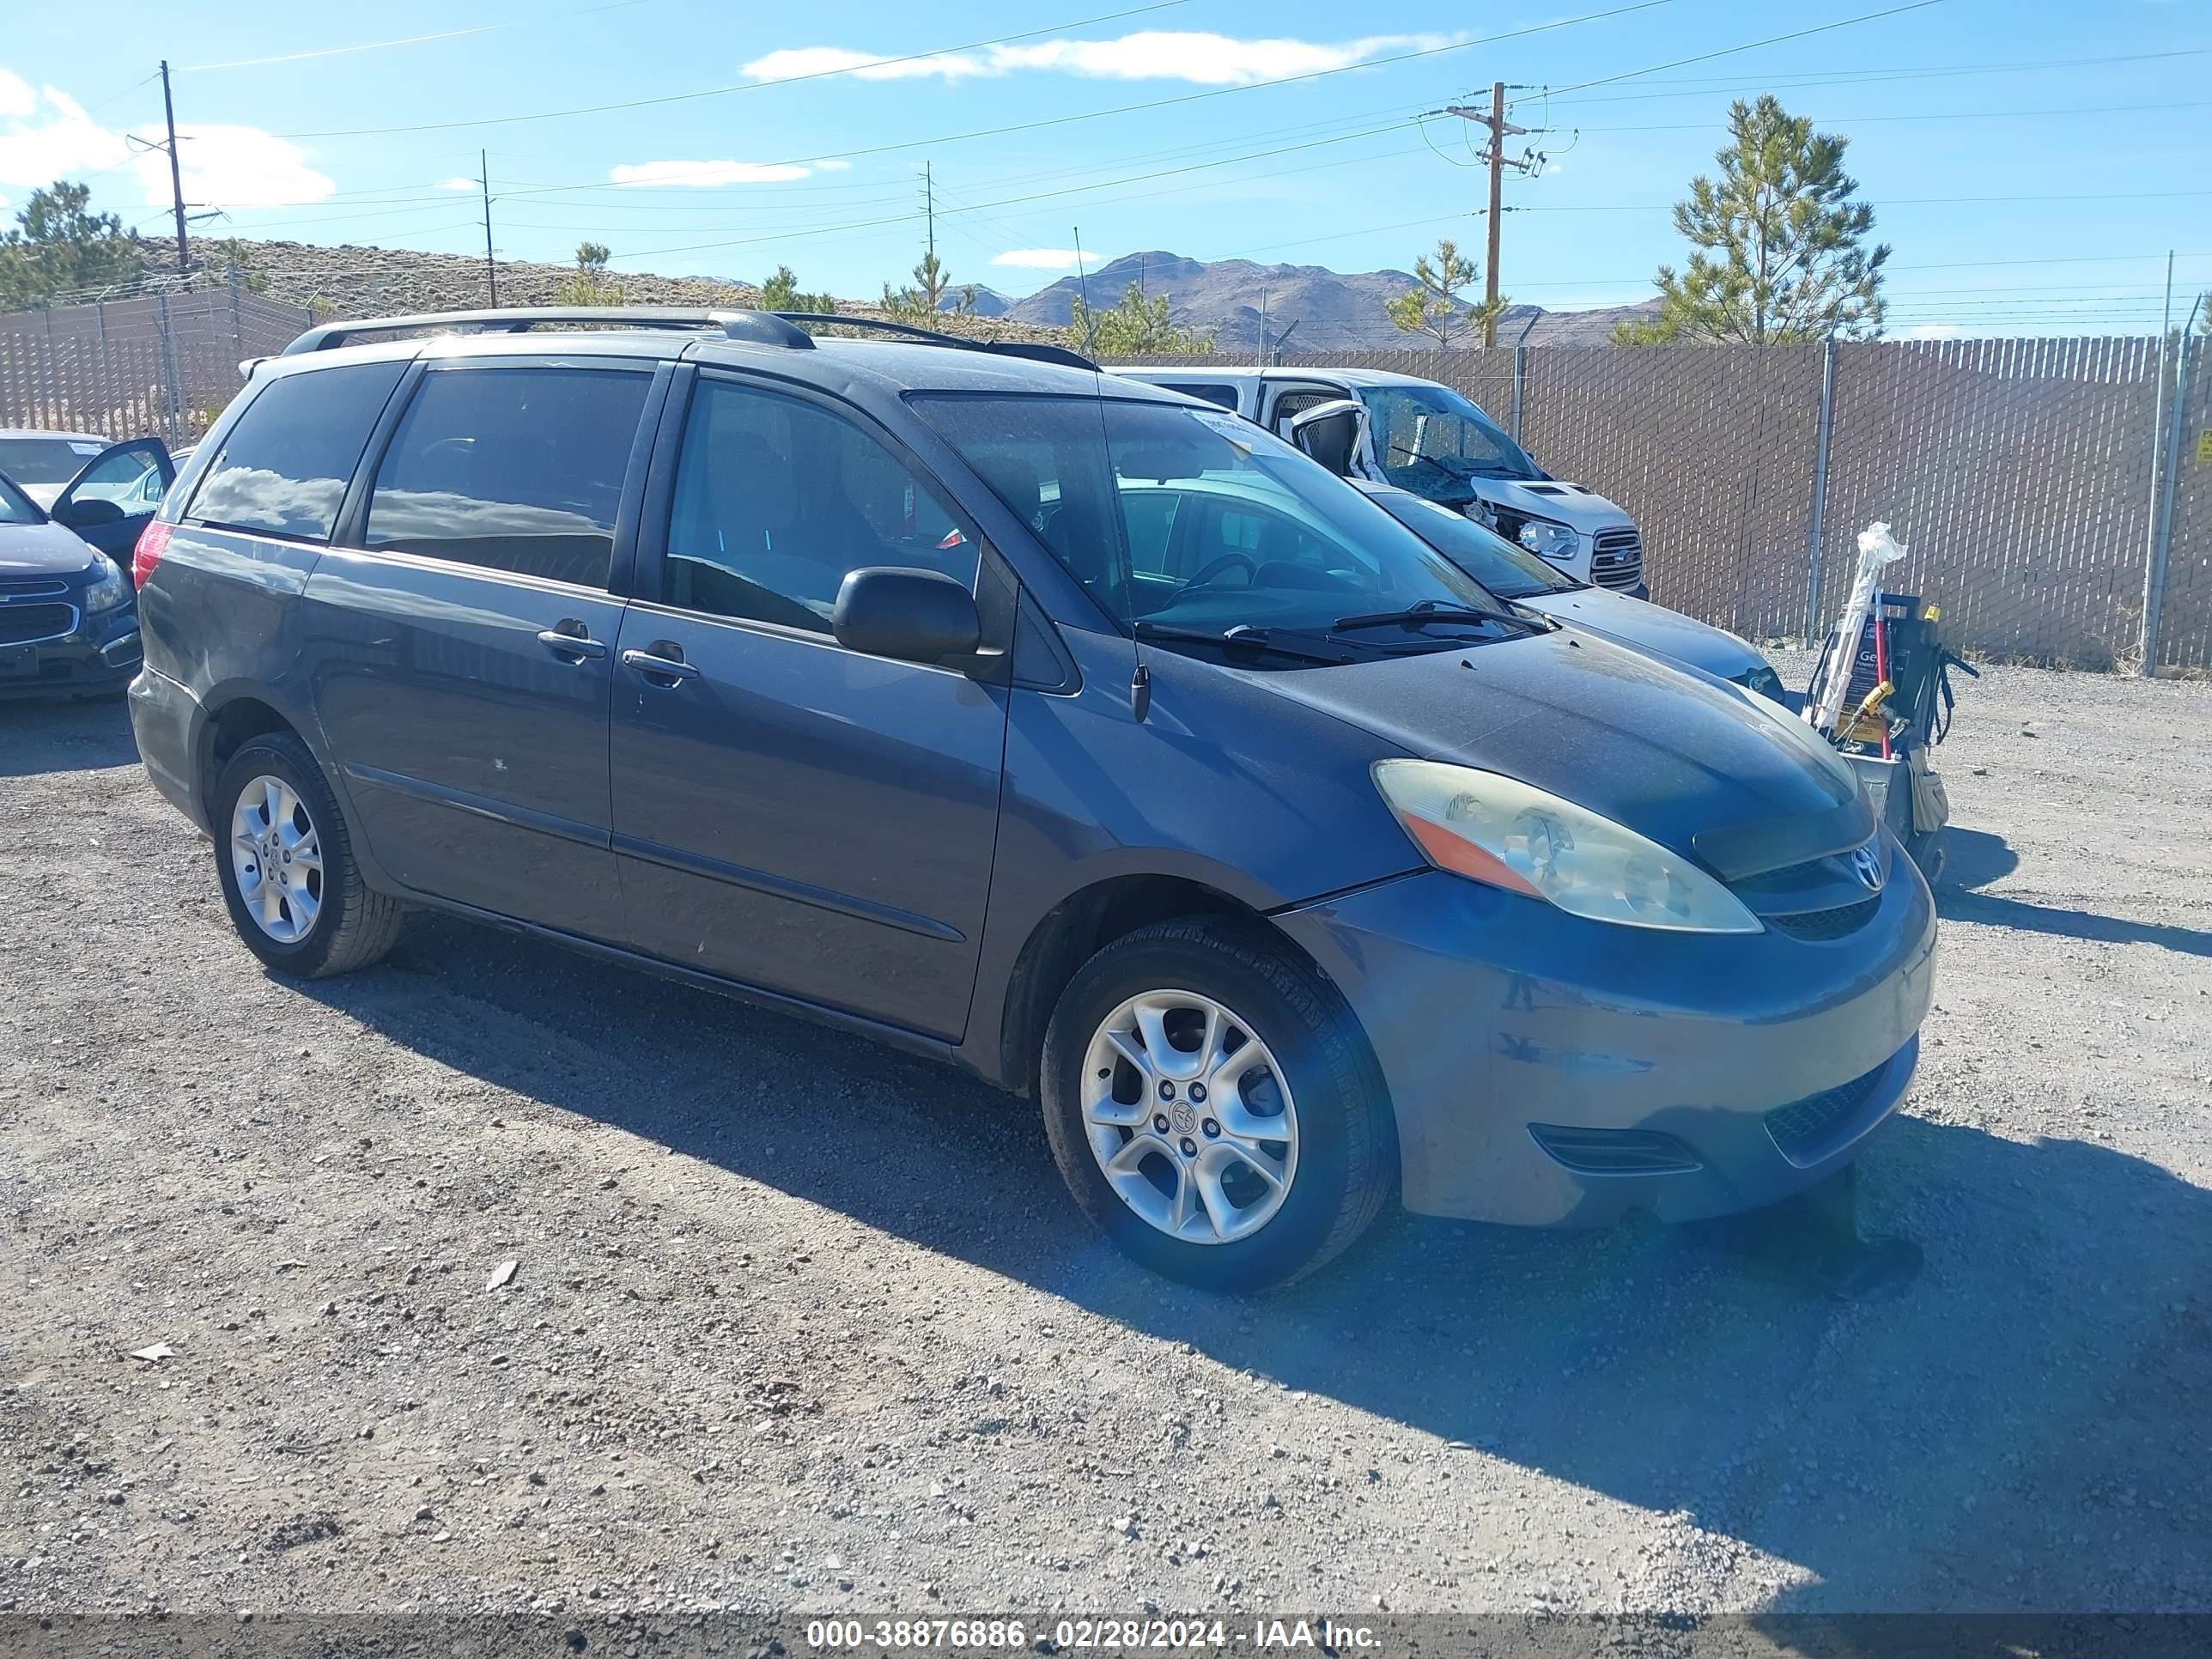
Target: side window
[[1296, 403], [1224, 395], [511, 468], [778, 500], [283, 468]]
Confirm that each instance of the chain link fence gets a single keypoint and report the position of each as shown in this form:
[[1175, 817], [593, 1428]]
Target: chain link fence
[[2019, 473], [2055, 502], [162, 361]]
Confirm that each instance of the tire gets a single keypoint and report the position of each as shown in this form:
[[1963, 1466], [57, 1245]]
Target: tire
[[351, 927], [1337, 1161]]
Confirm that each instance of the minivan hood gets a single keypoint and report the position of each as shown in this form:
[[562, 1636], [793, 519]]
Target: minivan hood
[[42, 549], [1650, 627], [1672, 755]]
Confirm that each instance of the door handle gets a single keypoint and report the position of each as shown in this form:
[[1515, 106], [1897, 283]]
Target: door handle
[[671, 670], [577, 647]]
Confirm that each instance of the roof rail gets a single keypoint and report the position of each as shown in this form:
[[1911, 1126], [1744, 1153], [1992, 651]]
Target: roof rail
[[1034, 351], [757, 327]]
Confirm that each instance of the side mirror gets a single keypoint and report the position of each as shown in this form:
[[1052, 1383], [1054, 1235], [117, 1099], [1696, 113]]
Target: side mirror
[[1329, 432], [89, 512], [913, 616]]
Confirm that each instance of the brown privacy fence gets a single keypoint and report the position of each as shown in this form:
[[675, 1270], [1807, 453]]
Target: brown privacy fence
[[161, 362], [2019, 473]]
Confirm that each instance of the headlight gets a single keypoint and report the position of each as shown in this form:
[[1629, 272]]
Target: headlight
[[1498, 831], [110, 588], [1548, 540]]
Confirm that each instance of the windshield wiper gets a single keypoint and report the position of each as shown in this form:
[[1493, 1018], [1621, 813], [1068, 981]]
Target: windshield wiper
[[1243, 636], [1429, 611]]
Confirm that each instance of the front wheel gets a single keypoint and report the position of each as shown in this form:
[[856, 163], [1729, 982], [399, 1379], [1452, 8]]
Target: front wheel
[[284, 857], [1213, 1105]]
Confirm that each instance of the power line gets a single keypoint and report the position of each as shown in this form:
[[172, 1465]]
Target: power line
[[1022, 126], [406, 40], [1867, 77], [722, 92], [1729, 51]]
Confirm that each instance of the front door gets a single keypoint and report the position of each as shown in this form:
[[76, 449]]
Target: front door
[[111, 499], [805, 818], [461, 638]]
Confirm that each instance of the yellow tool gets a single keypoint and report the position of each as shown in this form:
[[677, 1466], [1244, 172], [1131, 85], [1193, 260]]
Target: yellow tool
[[1867, 724]]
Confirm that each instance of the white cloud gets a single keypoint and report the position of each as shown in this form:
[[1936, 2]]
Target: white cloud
[[228, 167], [792, 64], [1042, 259], [459, 183], [1935, 332], [705, 174], [44, 135], [38, 147], [1212, 60], [17, 100]]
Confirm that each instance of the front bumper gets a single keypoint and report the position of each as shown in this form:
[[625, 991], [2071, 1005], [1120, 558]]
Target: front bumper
[[1762, 1062], [99, 654]]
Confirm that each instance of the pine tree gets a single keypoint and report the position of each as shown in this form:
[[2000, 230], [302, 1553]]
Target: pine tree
[[58, 248], [1436, 307], [1139, 326], [589, 284], [1781, 252]]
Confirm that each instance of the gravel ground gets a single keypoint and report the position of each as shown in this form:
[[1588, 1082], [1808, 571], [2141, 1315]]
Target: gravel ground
[[798, 1323]]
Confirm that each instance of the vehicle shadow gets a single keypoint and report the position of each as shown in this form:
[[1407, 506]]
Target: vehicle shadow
[[2043, 1383], [62, 734], [1974, 858]]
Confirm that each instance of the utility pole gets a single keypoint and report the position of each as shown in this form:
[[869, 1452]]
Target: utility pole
[[176, 175], [929, 209], [1494, 122], [491, 271]]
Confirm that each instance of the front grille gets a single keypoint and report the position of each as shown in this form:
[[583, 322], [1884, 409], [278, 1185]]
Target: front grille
[[1827, 923], [1806, 1131], [1614, 1151], [1617, 558], [20, 624], [31, 587]]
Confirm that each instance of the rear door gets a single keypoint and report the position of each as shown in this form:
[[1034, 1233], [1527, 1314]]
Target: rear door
[[811, 820], [1286, 400], [110, 501], [461, 631]]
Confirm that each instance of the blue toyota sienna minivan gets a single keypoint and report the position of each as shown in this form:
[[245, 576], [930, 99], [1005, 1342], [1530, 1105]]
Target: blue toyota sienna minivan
[[877, 681]]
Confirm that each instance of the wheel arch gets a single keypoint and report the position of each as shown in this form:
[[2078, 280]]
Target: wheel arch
[[1081, 924]]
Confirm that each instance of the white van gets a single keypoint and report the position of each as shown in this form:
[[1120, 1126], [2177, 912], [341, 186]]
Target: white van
[[1426, 438]]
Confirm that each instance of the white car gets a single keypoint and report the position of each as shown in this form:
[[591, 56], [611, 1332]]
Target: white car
[[41, 463], [1425, 437]]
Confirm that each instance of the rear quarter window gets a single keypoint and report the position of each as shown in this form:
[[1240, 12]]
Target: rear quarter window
[[1224, 395], [284, 465]]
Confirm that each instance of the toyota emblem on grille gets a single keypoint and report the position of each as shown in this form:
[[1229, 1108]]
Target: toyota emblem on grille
[[1868, 868]]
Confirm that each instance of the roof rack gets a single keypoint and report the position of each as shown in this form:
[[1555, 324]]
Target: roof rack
[[776, 328], [1036, 350], [759, 327]]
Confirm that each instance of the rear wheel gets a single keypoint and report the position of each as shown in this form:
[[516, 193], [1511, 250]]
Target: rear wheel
[[1213, 1104], [284, 858]]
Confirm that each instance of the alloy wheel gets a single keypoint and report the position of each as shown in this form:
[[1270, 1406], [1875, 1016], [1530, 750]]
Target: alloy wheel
[[278, 858], [1189, 1117]]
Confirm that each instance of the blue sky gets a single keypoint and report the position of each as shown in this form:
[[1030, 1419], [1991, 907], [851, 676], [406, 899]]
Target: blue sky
[[2031, 164]]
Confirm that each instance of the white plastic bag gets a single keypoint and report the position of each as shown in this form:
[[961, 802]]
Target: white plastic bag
[[1878, 549]]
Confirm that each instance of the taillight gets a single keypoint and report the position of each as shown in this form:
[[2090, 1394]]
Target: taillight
[[152, 541]]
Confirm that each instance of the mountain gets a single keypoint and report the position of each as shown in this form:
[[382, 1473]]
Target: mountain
[[1306, 308]]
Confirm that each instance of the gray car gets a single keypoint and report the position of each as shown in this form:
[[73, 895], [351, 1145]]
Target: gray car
[[1292, 875]]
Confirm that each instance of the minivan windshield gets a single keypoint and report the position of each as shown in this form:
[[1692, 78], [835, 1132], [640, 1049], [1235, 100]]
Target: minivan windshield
[[1191, 526], [1510, 572], [1431, 441]]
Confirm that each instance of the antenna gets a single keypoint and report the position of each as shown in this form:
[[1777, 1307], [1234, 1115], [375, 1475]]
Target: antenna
[[1083, 281]]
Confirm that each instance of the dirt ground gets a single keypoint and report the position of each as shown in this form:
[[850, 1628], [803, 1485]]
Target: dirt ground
[[799, 1323]]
